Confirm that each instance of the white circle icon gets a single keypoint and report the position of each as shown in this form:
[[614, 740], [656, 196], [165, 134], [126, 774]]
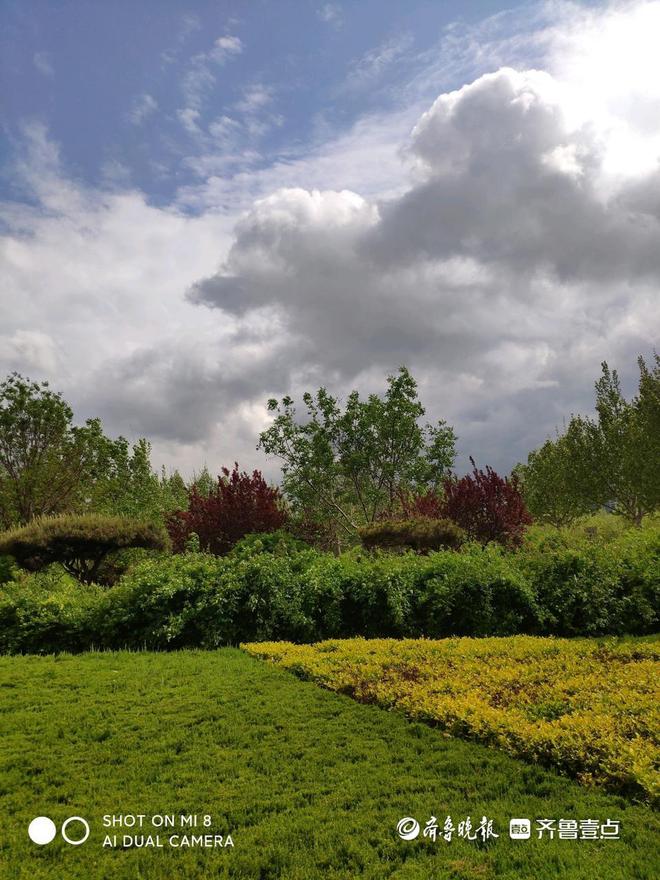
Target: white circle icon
[[66, 824], [41, 830], [407, 828]]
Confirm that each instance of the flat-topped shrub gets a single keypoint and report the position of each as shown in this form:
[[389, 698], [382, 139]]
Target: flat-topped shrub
[[80, 543], [422, 535]]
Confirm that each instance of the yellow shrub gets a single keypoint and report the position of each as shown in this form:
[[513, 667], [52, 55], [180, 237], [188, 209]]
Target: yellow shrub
[[587, 707]]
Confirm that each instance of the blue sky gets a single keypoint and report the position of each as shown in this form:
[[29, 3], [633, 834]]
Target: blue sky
[[205, 205], [136, 89]]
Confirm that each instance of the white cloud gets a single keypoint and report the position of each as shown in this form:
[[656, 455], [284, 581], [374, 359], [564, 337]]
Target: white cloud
[[225, 47], [332, 14], [43, 63], [144, 105], [368, 69], [255, 97], [200, 78], [30, 350], [504, 269], [519, 252]]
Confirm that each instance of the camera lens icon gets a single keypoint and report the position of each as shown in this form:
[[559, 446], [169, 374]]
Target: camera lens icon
[[42, 830]]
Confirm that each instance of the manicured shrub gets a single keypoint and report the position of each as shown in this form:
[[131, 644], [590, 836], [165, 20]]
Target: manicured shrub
[[476, 593], [47, 612], [585, 587], [488, 507], [161, 604], [239, 504], [280, 543], [272, 587], [80, 543], [422, 534], [377, 594]]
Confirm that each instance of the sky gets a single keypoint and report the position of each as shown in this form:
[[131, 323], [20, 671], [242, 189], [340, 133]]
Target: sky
[[204, 205]]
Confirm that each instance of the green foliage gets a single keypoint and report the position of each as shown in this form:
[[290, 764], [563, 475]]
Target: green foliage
[[161, 604], [48, 465], [548, 485], [310, 784], [590, 587], [47, 612], [351, 465], [80, 543], [43, 457], [122, 482], [480, 592], [280, 542], [422, 535], [7, 569], [611, 460], [274, 587]]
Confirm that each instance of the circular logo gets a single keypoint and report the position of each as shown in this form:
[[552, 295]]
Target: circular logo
[[66, 824], [41, 830], [407, 828]]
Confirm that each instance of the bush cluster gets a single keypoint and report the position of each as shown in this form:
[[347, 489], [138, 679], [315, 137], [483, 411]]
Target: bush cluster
[[422, 534], [273, 587]]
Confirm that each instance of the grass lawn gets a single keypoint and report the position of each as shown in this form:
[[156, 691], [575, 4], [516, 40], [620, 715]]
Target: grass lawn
[[309, 783], [590, 707]]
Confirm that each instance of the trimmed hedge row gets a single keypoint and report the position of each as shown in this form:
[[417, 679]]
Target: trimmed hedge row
[[271, 588]]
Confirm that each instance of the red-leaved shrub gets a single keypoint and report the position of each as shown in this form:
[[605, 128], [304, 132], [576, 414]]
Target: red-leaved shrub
[[238, 505], [426, 506], [488, 507]]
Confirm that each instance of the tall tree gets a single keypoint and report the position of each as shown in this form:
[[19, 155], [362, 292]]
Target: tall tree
[[548, 484], [43, 457], [613, 459], [352, 464], [48, 465]]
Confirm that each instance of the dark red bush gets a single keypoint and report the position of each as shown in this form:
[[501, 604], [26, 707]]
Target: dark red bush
[[238, 505], [426, 506], [488, 507]]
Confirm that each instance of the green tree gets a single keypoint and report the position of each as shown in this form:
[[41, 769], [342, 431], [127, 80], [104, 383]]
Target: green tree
[[352, 465], [548, 485], [43, 457], [121, 481], [617, 455], [48, 465], [613, 459]]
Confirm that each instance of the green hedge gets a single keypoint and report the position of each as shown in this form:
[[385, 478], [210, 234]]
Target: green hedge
[[271, 588]]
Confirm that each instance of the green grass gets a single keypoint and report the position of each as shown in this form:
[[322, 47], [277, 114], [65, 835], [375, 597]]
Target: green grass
[[309, 783]]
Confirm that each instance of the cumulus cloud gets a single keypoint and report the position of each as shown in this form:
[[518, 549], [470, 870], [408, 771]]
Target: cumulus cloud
[[506, 271], [519, 252]]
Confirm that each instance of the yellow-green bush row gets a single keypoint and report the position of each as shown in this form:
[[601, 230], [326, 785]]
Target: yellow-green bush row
[[588, 707]]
